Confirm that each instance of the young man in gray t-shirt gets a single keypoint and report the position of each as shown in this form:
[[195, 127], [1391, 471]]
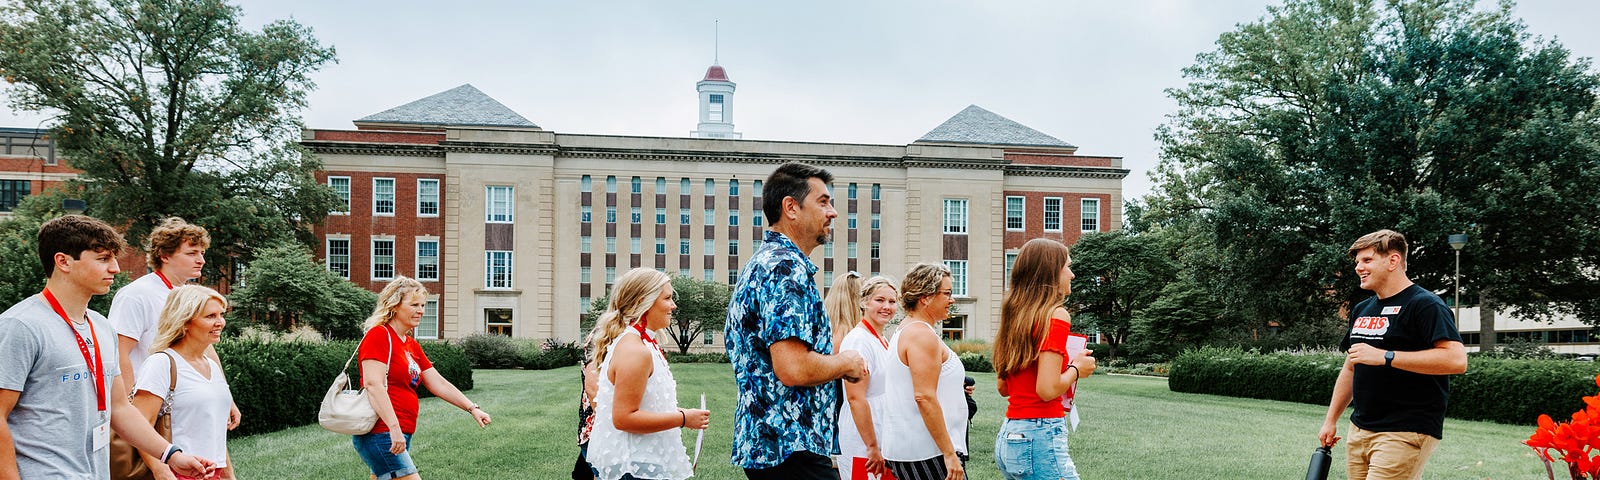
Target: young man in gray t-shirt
[[59, 391]]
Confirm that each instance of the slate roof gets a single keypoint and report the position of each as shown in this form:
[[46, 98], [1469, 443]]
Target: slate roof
[[461, 106], [978, 126]]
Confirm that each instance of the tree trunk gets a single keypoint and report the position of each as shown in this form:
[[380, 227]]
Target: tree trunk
[[1486, 334]]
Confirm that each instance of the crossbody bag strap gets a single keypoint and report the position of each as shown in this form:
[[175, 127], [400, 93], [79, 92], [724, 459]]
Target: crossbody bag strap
[[172, 382]]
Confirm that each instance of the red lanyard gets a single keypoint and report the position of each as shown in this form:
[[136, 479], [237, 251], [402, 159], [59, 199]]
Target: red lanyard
[[93, 361], [640, 327], [875, 334], [164, 279]]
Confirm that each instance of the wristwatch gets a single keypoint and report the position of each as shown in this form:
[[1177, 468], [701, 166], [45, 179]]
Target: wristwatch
[[1388, 358]]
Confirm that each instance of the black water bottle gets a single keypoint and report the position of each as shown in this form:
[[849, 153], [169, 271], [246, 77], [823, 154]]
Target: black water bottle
[[1321, 459]]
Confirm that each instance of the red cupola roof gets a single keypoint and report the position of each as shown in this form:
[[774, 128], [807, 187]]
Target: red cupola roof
[[715, 74]]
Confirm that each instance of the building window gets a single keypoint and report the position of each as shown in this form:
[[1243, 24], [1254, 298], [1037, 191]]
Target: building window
[[341, 188], [954, 328], [661, 216], [875, 251], [958, 277], [850, 250], [711, 186], [1015, 213], [710, 217], [683, 186], [733, 188], [12, 192], [683, 247], [876, 194], [733, 247], [1091, 214], [633, 245], [497, 321], [714, 108], [584, 273], [497, 269], [636, 185], [428, 260], [611, 214], [427, 197], [683, 215], [1011, 260], [1052, 214], [661, 246], [428, 328], [707, 274], [850, 221], [709, 338], [587, 213], [756, 187], [827, 252], [339, 256], [636, 215], [760, 219], [661, 186], [611, 275], [586, 184], [683, 272], [733, 218], [710, 247], [382, 259], [584, 244], [955, 215], [498, 208], [611, 184], [611, 244], [383, 196], [733, 277]]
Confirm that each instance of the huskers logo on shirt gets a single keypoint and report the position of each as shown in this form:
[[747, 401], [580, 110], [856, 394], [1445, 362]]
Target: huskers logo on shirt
[[1370, 327]]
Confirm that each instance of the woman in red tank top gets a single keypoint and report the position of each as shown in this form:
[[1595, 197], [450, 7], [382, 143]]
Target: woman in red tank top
[[1032, 362]]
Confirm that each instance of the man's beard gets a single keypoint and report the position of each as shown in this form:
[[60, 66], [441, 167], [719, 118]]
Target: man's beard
[[825, 237]]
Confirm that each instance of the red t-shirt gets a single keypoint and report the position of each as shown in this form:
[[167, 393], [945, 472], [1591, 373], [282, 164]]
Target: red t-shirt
[[1023, 398], [406, 364]]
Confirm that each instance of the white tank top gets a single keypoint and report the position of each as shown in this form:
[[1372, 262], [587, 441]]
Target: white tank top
[[903, 422], [652, 455]]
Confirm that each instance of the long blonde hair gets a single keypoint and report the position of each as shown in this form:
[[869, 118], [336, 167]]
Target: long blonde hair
[[390, 299], [633, 295], [843, 304], [184, 304], [1026, 310]]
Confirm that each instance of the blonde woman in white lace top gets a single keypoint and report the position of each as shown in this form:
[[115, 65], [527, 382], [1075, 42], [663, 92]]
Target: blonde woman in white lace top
[[637, 419]]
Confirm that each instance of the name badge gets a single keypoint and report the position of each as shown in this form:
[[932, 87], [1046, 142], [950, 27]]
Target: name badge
[[1391, 310], [102, 433]]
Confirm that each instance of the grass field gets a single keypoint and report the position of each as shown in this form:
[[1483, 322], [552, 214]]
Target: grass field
[[1133, 428]]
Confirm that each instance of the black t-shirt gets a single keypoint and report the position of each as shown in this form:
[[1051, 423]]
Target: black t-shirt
[[1389, 399]]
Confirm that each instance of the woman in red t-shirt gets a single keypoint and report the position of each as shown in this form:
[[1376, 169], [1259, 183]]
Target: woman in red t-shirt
[[1030, 357], [392, 365]]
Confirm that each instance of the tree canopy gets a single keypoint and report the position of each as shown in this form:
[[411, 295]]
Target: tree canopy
[[171, 107], [1329, 119]]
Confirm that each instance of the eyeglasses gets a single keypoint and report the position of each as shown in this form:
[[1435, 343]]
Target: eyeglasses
[[947, 293]]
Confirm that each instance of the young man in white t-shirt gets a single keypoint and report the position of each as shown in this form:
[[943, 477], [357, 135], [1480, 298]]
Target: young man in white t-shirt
[[177, 253], [60, 397]]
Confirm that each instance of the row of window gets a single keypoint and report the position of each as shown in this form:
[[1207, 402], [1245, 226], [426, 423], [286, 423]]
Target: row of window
[[383, 196], [635, 244], [1016, 214], [383, 254], [636, 185], [12, 192]]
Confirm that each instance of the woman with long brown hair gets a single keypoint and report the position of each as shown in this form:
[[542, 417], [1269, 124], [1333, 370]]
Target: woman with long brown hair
[[1031, 360]]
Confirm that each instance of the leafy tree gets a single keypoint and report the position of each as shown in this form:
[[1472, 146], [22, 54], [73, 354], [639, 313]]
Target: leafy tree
[[702, 307], [21, 276], [1329, 119], [285, 286], [1118, 274], [173, 108]]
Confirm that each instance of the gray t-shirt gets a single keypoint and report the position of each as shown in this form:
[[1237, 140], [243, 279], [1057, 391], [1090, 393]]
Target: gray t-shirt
[[53, 422]]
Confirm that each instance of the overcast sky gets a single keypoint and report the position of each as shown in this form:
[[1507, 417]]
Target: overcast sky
[[1091, 73]]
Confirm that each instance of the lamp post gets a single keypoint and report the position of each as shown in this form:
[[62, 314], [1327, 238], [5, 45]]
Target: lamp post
[[1457, 241]]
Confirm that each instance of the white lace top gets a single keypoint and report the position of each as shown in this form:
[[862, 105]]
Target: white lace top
[[657, 455]]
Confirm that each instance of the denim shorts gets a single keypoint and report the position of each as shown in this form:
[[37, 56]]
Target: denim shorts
[[1034, 448], [374, 449]]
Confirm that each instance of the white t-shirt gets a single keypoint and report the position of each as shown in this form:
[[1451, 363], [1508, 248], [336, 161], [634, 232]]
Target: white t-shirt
[[199, 405], [136, 312]]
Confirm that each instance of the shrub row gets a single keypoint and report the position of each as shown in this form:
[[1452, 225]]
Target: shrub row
[[709, 357], [278, 385], [976, 362], [499, 351], [1500, 390]]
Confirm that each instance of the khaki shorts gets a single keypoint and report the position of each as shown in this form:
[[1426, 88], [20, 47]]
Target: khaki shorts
[[1388, 455]]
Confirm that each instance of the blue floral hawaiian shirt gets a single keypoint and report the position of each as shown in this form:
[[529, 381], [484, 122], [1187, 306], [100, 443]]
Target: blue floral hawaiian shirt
[[777, 299]]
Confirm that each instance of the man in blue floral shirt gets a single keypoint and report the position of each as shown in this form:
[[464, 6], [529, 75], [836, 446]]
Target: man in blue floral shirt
[[780, 341]]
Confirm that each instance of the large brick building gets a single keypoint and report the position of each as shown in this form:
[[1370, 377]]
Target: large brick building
[[516, 228]]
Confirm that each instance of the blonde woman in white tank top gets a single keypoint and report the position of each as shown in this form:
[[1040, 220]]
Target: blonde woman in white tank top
[[637, 419], [925, 400]]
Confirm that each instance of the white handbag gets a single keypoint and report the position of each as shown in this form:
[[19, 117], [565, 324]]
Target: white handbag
[[348, 411]]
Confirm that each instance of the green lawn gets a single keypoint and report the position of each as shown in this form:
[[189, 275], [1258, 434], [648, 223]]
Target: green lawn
[[1133, 428]]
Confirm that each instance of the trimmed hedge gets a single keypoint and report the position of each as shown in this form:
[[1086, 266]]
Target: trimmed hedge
[[976, 362], [499, 351], [278, 385], [1498, 390], [708, 357]]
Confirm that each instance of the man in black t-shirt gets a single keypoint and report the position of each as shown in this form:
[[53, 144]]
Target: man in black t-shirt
[[1401, 348]]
